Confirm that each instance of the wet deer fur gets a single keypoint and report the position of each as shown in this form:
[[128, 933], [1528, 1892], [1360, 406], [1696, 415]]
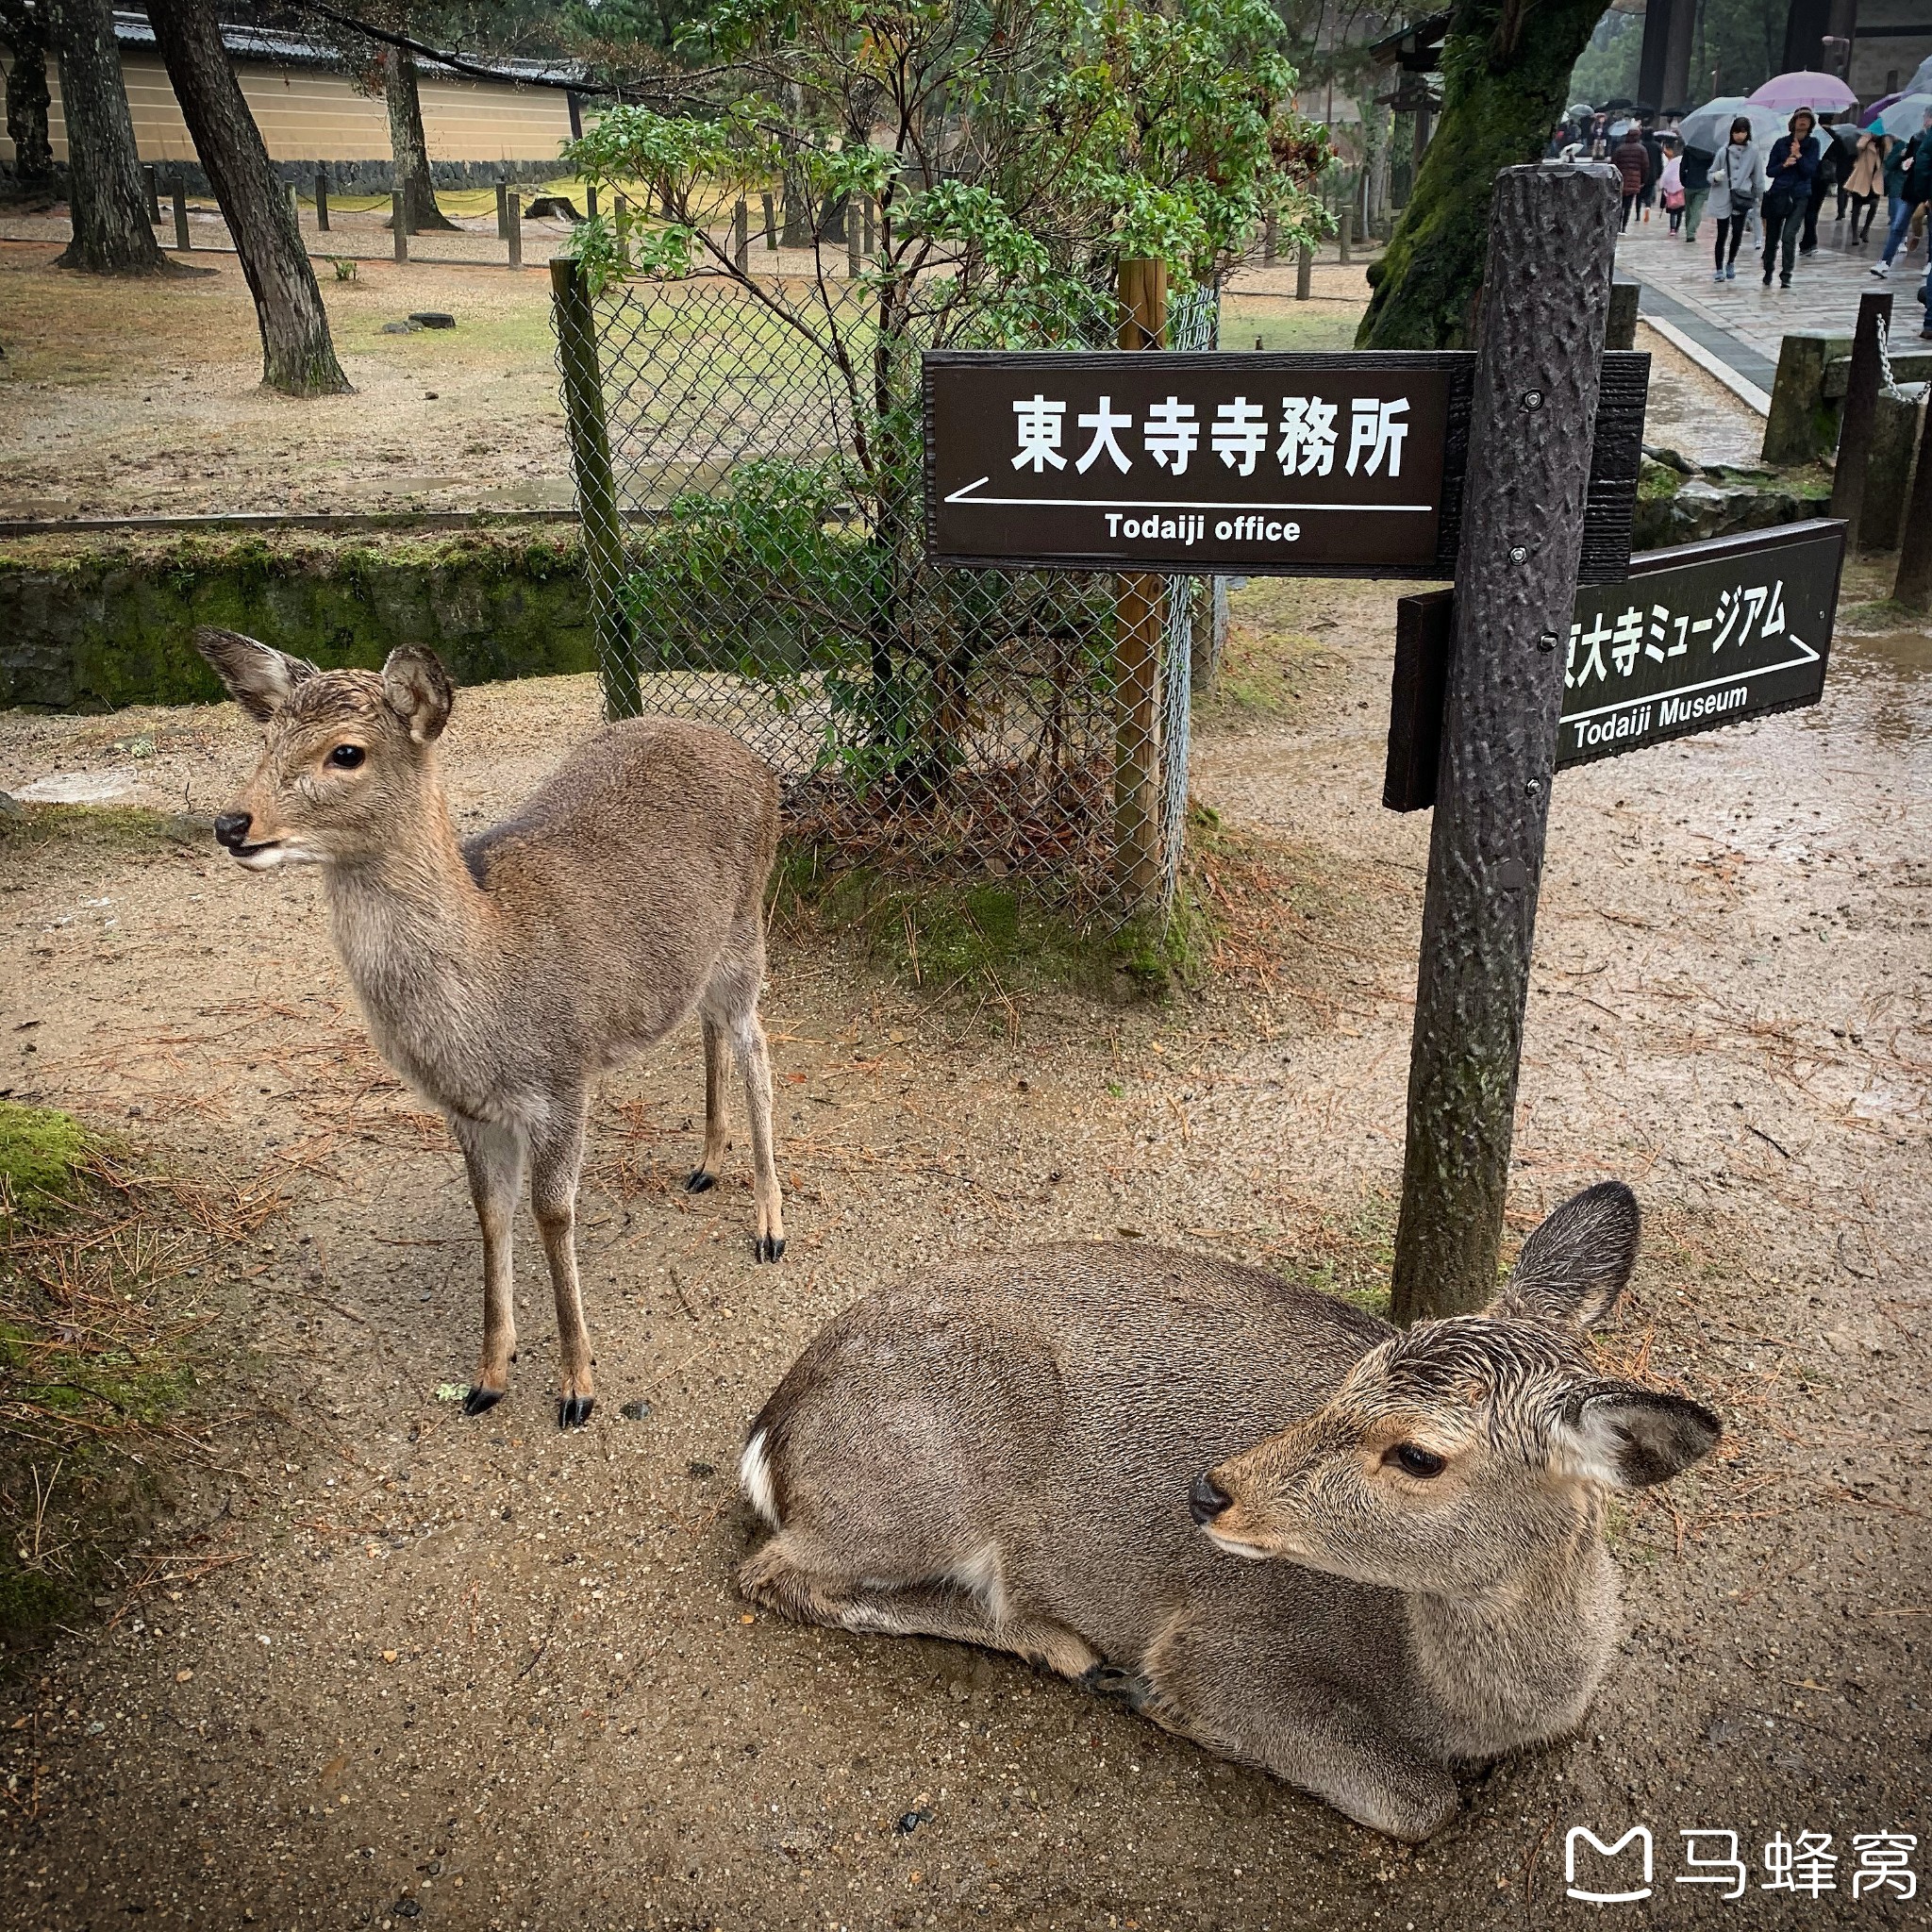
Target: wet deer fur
[[1357, 1558], [501, 974]]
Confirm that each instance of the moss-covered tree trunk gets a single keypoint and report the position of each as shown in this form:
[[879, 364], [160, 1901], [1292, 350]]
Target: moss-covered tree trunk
[[1506, 69]]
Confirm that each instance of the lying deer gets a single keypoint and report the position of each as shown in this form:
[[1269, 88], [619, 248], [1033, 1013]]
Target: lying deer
[[501, 974], [1069, 1452]]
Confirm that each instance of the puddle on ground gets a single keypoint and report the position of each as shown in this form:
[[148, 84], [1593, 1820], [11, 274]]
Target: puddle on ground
[[1905, 651]]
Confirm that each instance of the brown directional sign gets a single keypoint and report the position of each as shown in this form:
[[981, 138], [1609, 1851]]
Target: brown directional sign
[[1697, 637], [1344, 465]]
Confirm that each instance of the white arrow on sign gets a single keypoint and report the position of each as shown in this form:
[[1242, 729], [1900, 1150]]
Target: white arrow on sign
[[964, 493]]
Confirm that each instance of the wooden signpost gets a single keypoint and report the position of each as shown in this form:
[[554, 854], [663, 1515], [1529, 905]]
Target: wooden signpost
[[1512, 470]]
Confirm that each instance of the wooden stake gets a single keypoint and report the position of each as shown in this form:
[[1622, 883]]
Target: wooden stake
[[503, 211], [182, 244], [1861, 409], [1139, 624], [322, 200], [513, 223], [399, 226], [596, 484], [1913, 586], [771, 224], [741, 238], [1304, 273], [1552, 233]]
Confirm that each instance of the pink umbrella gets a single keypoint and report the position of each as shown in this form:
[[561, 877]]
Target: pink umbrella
[[1824, 94]]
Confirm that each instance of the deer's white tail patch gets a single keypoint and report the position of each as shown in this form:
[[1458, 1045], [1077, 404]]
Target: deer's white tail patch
[[754, 1479]]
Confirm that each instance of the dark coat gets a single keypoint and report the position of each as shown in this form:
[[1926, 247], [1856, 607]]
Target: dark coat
[[1915, 184], [1632, 164], [1794, 184], [1695, 171]]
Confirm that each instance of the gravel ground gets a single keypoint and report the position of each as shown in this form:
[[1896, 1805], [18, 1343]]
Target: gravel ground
[[401, 1666]]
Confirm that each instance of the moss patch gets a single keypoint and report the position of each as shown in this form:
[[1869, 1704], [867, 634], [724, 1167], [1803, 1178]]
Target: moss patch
[[124, 828], [983, 940], [105, 1302], [40, 1153]]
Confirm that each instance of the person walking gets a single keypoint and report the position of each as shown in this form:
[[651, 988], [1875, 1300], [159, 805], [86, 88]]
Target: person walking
[[1654, 168], [1864, 181], [1907, 183], [1694, 173], [1792, 165], [1735, 175], [1672, 188], [1831, 168], [1633, 165]]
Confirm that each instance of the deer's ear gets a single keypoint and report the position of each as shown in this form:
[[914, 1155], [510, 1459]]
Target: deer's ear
[[419, 692], [1628, 1438], [1576, 1262], [260, 677]]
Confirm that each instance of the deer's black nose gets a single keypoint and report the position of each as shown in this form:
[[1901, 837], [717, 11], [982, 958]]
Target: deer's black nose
[[231, 829], [1206, 1499]]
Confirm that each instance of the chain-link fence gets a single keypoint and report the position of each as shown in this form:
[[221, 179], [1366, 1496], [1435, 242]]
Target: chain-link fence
[[748, 467]]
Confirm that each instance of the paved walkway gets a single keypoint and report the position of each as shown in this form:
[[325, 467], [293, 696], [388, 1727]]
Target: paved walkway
[[1741, 325]]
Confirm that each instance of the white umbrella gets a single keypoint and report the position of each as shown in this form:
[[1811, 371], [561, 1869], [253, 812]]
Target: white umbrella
[[1905, 117], [1920, 83], [1709, 127]]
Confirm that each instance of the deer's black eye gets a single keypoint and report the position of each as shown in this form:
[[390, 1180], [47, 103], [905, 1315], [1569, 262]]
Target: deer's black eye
[[1415, 1460], [345, 757]]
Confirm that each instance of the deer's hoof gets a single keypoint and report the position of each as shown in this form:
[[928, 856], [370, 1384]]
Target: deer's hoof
[[573, 1412], [1112, 1684], [479, 1398], [768, 1247], [698, 1181]]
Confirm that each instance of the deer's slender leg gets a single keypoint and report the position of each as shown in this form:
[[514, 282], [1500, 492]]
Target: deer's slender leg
[[494, 1158], [705, 1174], [557, 1157], [733, 998], [755, 1058]]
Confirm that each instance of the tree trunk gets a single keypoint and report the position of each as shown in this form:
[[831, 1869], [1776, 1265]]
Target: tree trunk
[[106, 199], [27, 100], [413, 180], [1506, 70], [297, 356]]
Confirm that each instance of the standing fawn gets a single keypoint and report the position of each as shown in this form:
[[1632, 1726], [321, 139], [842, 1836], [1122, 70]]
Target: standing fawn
[[1068, 1452], [501, 974]]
